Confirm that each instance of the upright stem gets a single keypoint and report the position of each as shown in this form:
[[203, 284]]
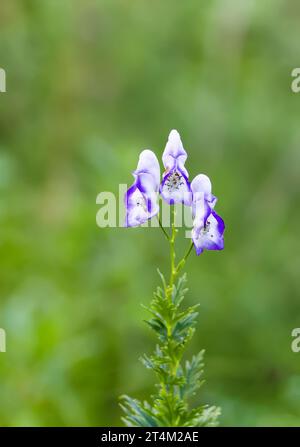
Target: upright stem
[[172, 252], [171, 391]]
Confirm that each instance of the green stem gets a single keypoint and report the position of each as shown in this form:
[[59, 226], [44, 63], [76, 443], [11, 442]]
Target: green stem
[[172, 252], [171, 391], [183, 260], [163, 230]]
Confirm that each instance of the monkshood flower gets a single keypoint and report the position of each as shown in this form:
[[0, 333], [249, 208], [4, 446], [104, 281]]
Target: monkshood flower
[[175, 187], [141, 197], [208, 227], [173, 324]]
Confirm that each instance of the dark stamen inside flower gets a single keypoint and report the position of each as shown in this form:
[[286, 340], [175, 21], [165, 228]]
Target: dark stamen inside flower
[[174, 181], [140, 201], [205, 230]]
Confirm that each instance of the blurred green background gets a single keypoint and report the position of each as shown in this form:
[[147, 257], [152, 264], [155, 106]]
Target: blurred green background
[[89, 84]]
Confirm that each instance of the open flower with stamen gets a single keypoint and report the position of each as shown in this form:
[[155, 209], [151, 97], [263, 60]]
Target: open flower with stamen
[[141, 198], [175, 187], [208, 226]]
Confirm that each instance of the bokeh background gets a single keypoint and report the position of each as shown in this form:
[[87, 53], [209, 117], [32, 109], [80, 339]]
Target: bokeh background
[[89, 84]]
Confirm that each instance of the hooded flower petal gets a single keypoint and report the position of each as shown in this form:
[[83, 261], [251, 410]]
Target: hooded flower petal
[[209, 237], [141, 197], [208, 227], [175, 187], [203, 200], [201, 189], [174, 154], [148, 163]]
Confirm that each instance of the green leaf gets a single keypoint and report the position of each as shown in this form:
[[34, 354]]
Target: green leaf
[[193, 374], [158, 327], [137, 414], [177, 382]]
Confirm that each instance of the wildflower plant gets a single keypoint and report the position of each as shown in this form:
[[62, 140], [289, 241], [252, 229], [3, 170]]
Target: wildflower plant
[[174, 326]]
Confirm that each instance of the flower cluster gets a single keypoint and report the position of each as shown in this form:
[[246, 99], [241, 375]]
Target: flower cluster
[[141, 199]]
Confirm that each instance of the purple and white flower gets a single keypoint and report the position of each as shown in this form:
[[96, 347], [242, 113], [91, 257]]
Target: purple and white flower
[[209, 237], [141, 197], [203, 200], [208, 227], [175, 187]]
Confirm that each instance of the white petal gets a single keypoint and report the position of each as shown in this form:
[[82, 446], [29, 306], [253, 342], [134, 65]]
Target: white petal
[[174, 153], [148, 163], [201, 183]]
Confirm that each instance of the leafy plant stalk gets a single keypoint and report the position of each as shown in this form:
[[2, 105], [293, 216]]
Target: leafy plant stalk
[[177, 381]]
